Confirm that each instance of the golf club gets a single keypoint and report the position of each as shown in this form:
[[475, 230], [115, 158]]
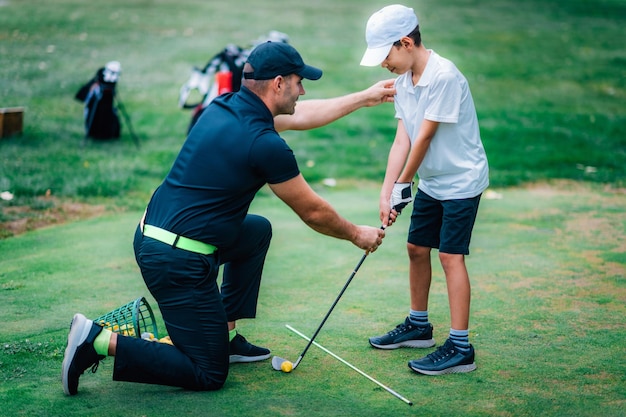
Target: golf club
[[277, 362], [386, 388]]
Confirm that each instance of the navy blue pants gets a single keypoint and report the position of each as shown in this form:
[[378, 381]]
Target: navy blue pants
[[194, 309]]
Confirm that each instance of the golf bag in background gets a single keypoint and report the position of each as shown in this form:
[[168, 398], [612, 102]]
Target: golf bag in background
[[100, 113], [222, 74]]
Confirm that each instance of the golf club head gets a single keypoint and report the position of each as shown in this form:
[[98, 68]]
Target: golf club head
[[277, 362]]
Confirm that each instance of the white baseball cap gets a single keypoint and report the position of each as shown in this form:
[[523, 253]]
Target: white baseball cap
[[386, 26]]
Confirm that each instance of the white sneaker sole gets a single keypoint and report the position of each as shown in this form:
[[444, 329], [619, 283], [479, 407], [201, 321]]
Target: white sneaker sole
[[409, 344], [247, 359], [79, 330], [452, 370]]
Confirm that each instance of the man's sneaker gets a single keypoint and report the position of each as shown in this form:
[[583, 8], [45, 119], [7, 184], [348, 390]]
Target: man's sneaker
[[243, 351], [405, 335], [79, 353], [445, 360]]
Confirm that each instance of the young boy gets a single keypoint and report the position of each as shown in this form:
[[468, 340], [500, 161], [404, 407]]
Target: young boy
[[438, 138]]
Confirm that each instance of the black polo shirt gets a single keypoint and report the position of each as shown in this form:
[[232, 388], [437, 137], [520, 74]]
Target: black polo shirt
[[231, 152]]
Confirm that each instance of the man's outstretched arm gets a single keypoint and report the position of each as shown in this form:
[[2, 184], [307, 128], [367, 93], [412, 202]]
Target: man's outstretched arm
[[314, 113]]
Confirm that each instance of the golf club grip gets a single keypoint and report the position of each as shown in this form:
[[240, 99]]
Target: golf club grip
[[333, 306]]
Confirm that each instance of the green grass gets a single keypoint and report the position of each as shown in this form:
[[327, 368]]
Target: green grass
[[547, 78], [547, 264], [549, 291]]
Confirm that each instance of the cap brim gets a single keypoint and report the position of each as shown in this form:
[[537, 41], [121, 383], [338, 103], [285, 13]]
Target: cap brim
[[375, 56], [310, 73]]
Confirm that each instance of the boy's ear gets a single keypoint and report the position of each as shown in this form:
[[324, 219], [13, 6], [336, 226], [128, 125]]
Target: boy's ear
[[407, 42]]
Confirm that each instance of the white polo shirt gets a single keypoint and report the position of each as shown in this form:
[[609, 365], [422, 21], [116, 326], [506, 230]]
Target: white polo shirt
[[455, 165]]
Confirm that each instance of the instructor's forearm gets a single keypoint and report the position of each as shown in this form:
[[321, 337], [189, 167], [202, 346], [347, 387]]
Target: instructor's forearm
[[315, 113], [316, 212], [327, 221]]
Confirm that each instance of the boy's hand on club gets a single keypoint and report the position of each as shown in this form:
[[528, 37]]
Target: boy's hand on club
[[401, 195]]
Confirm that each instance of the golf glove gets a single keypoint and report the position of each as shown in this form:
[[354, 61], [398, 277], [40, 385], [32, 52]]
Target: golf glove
[[401, 195]]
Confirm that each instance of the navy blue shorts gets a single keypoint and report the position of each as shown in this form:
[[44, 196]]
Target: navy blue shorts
[[445, 225]]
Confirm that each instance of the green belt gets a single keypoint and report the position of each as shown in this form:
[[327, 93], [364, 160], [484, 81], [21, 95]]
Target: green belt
[[178, 241]]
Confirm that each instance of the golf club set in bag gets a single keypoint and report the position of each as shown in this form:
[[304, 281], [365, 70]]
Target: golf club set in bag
[[102, 103], [221, 74]]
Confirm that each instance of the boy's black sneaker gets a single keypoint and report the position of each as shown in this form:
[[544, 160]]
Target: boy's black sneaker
[[79, 353], [405, 335], [243, 351], [445, 360]]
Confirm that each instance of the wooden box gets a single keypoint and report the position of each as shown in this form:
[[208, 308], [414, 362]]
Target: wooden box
[[11, 121]]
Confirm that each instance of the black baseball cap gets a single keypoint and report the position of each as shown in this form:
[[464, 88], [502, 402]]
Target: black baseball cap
[[271, 59]]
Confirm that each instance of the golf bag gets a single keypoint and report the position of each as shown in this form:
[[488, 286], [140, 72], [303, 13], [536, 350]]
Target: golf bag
[[98, 95], [222, 74]]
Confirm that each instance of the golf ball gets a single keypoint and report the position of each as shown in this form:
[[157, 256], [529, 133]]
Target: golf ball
[[286, 366]]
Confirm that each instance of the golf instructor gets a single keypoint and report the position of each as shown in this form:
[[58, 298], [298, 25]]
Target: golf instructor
[[198, 220]]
